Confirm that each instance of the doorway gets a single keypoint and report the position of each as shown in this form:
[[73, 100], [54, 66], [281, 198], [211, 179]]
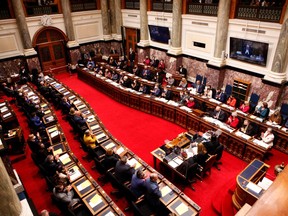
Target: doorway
[[132, 38], [50, 44]]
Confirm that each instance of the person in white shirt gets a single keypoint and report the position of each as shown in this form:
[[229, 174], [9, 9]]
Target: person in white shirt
[[268, 137]]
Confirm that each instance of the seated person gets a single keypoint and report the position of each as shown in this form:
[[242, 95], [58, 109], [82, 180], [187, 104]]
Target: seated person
[[208, 91], [170, 81], [182, 70], [161, 65], [114, 76], [36, 121], [183, 97], [125, 82], [90, 63], [166, 93], [286, 124], [143, 88], [191, 103], [231, 101], [221, 96], [65, 195], [123, 171], [62, 176], [153, 192], [199, 87], [268, 137], [147, 61], [110, 159], [136, 71], [51, 163], [248, 128], [135, 85], [112, 62], [77, 117], [108, 74], [156, 91], [202, 155], [183, 83], [184, 167], [262, 111], [218, 114], [154, 62], [233, 120], [245, 107], [138, 183], [214, 147], [113, 50], [276, 118], [89, 139], [65, 105], [146, 73]]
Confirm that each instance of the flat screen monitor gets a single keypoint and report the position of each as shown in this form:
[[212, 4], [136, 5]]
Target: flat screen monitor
[[249, 51], [159, 34]]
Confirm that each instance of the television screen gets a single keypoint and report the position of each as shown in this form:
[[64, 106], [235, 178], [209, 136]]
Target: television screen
[[159, 34], [249, 51]]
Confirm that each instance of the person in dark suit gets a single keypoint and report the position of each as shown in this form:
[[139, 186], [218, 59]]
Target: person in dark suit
[[199, 87], [146, 73], [182, 70], [138, 183], [36, 121], [248, 128], [110, 159], [24, 75], [166, 93], [76, 116], [153, 192], [154, 62], [123, 171], [218, 114], [247, 51], [131, 57], [51, 163], [156, 91], [113, 51], [184, 168], [221, 96], [65, 105], [202, 155], [214, 147]]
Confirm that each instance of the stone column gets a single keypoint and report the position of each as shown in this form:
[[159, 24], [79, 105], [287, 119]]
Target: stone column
[[23, 28], [66, 10], [118, 23], [175, 48], [10, 204], [112, 17], [105, 20], [144, 40], [279, 65], [221, 33]]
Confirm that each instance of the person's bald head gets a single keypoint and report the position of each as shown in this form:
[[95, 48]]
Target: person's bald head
[[154, 177]]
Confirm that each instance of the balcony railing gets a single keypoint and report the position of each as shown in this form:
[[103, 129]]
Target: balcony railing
[[83, 6], [41, 10], [267, 14], [132, 4], [202, 9], [5, 14], [162, 6]]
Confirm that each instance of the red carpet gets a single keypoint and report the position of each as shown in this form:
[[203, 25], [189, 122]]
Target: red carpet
[[142, 133]]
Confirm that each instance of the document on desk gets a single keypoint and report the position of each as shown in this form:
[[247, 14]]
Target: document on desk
[[120, 150], [54, 134], [58, 151], [75, 174], [254, 187], [66, 93], [101, 135], [110, 145], [2, 104], [83, 185], [96, 200], [173, 164], [214, 101], [242, 135], [133, 161], [1, 144], [72, 97], [178, 160], [77, 102], [47, 111], [3, 109], [61, 89], [50, 130], [265, 183], [181, 209], [65, 158], [261, 143], [7, 115], [81, 106], [94, 127], [165, 190]]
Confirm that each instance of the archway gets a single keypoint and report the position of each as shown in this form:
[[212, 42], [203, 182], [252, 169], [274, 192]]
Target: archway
[[50, 44]]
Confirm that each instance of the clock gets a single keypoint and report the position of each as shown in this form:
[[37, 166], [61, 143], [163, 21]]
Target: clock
[[46, 20]]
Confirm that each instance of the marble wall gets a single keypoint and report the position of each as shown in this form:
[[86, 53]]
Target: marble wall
[[74, 55], [33, 63], [103, 46], [9, 67]]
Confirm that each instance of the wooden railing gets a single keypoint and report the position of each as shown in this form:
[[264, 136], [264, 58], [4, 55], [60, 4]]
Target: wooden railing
[[162, 6], [83, 6], [267, 14], [132, 4], [202, 9]]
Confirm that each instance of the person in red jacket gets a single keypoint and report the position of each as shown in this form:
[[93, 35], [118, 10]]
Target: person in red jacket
[[161, 65], [231, 101], [233, 120], [245, 107]]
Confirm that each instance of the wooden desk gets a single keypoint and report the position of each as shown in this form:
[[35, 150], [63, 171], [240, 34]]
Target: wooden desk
[[274, 200], [180, 207], [83, 186], [59, 149], [74, 171], [247, 179], [169, 192], [95, 202]]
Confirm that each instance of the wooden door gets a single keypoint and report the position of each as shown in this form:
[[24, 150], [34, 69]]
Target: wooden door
[[52, 55], [131, 40], [51, 49]]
